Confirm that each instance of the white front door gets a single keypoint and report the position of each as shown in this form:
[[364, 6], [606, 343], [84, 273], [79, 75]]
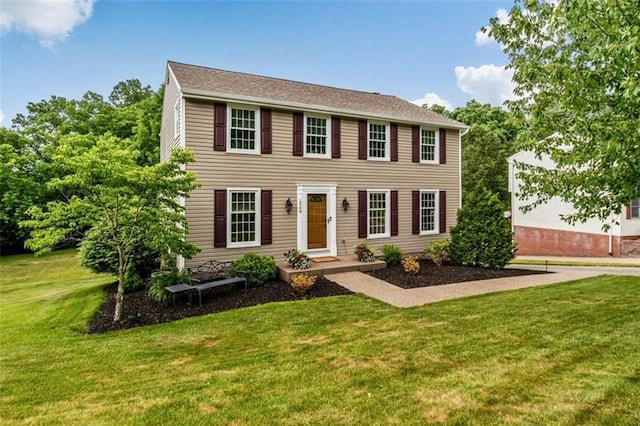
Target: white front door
[[317, 220]]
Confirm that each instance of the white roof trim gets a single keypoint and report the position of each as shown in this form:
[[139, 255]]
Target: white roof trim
[[205, 94]]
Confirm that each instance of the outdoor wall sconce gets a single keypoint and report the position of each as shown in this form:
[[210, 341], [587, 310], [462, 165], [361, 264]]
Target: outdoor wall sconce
[[288, 206], [345, 204]]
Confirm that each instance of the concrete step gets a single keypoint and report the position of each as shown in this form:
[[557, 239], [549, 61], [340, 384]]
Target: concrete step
[[342, 264]]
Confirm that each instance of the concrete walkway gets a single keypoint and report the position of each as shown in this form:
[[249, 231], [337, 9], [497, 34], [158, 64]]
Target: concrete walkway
[[404, 298]]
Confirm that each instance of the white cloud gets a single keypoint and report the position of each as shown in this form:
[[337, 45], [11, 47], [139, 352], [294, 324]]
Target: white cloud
[[433, 99], [487, 83], [483, 39], [51, 21], [1, 117]]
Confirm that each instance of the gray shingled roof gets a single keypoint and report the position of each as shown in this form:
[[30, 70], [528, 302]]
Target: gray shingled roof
[[197, 80]]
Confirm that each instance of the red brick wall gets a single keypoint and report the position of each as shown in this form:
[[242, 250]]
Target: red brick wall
[[551, 242]]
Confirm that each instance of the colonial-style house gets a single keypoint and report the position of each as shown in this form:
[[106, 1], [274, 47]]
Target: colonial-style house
[[285, 164], [541, 231]]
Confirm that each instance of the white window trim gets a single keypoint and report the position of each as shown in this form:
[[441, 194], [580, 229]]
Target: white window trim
[[177, 118], [257, 241], [436, 150], [436, 219], [387, 214], [328, 140], [387, 147], [256, 149]]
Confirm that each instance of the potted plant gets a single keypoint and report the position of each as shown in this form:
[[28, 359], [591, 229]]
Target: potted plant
[[364, 252], [297, 259]]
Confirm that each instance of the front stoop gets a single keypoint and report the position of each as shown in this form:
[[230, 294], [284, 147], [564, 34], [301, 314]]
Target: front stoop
[[348, 263]]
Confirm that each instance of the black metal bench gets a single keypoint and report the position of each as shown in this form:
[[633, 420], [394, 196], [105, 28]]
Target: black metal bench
[[203, 277], [218, 283]]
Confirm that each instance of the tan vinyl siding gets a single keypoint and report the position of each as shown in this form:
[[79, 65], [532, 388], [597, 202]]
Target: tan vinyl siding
[[167, 139], [281, 172]]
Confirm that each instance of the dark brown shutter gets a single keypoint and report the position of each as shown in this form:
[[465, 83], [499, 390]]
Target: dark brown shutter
[[415, 144], [443, 212], [220, 127], [394, 213], [220, 218], [415, 212], [443, 146], [362, 139], [362, 214], [298, 134], [394, 141], [265, 130], [629, 211], [335, 137], [266, 220]]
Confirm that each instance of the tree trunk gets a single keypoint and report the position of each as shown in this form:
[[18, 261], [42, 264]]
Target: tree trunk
[[120, 294]]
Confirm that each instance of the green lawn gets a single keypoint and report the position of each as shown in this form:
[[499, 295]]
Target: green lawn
[[564, 354]]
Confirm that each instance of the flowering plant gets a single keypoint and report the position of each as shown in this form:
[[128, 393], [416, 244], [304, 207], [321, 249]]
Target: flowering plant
[[297, 259], [364, 252]]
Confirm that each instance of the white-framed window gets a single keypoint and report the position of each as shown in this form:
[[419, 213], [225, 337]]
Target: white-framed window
[[243, 217], [378, 213], [177, 118], [378, 141], [429, 200], [317, 136], [243, 129], [428, 145], [635, 208]]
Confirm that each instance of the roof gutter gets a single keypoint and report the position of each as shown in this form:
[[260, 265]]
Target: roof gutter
[[204, 94]]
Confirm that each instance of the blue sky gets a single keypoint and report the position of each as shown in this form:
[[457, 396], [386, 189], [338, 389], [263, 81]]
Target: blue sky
[[407, 49]]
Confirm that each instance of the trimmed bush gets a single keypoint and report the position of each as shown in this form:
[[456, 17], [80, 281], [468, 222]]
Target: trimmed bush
[[392, 254], [255, 268], [437, 251], [483, 235], [160, 280], [98, 253]]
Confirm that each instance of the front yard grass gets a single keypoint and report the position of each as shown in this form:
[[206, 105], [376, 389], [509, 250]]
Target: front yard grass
[[563, 354]]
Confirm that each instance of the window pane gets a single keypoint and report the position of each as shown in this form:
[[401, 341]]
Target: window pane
[[377, 212], [243, 217], [428, 145], [316, 136], [243, 129], [377, 140], [427, 211]]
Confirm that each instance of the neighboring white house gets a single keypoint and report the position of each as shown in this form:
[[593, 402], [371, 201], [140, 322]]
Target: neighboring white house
[[543, 232]]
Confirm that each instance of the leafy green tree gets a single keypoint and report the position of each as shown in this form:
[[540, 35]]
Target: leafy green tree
[[103, 186], [485, 147], [484, 161], [133, 112], [20, 187], [482, 235], [576, 71]]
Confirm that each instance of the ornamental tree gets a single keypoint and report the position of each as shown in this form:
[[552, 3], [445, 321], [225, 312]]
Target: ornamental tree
[[102, 185], [576, 70]]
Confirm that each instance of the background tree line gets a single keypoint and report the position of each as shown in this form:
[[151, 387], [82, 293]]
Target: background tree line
[[132, 112]]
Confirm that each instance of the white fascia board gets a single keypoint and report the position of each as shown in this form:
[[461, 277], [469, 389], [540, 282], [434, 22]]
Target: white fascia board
[[203, 94]]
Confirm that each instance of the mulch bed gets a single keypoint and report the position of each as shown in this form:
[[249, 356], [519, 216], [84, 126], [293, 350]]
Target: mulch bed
[[140, 310], [430, 274]]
